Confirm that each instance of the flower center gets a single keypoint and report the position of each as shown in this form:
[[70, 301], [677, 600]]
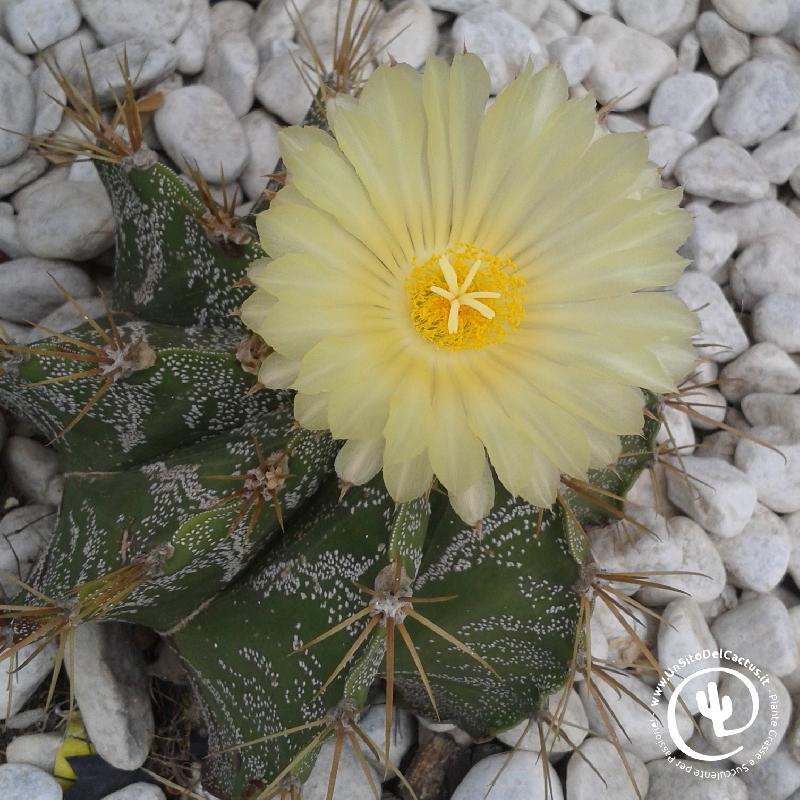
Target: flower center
[[465, 298]]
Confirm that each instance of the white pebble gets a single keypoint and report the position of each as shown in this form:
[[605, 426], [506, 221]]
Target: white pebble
[[67, 219], [651, 16], [753, 221], [683, 631], [574, 725], [712, 241], [17, 113], [742, 630], [722, 337], [632, 723], [688, 52], [722, 170], [24, 533], [763, 368], [575, 54], [724, 46], [33, 469], [193, 42], [230, 15], [721, 499], [34, 24], [20, 781], [116, 20], [197, 126], [776, 319], [775, 475], [757, 100], [107, 675], [261, 133], [762, 17], [597, 772], [757, 558], [769, 266], [628, 64], [669, 780], [24, 678], [512, 776], [779, 156], [37, 749], [408, 33], [683, 101], [764, 408], [667, 145], [503, 43], [231, 69], [281, 88]]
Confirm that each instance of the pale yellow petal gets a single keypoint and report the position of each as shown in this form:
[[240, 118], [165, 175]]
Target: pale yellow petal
[[455, 453], [435, 89], [407, 480], [255, 310], [277, 372], [411, 419], [517, 116], [469, 92], [476, 502], [311, 411], [337, 360], [322, 173], [359, 461], [303, 279], [288, 228]]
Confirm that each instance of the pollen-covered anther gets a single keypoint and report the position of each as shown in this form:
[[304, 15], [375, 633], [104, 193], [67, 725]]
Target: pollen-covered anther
[[465, 298]]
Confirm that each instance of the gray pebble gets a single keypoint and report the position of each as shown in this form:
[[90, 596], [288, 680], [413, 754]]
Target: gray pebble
[[261, 133], [768, 266], [24, 533], [596, 772], [757, 100], [9, 57], [193, 42], [627, 62], [757, 558], [722, 337], [196, 126], [34, 470], [17, 113], [231, 70], [575, 54], [712, 241], [149, 61], [762, 17], [25, 781], [408, 33], [67, 219], [763, 368], [774, 469], [40, 23], [765, 408], [724, 46], [722, 170], [20, 173], [281, 88], [503, 43], [776, 319], [66, 317], [116, 20], [683, 101], [779, 156], [688, 53], [137, 791], [651, 16], [28, 293], [107, 673]]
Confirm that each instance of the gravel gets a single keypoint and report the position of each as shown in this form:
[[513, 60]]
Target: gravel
[[714, 85]]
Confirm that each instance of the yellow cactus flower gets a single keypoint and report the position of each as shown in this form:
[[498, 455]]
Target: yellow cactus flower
[[452, 289]]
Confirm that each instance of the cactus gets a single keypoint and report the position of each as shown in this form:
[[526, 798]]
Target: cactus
[[194, 504]]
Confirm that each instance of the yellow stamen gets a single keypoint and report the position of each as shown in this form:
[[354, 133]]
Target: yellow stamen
[[479, 303]]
